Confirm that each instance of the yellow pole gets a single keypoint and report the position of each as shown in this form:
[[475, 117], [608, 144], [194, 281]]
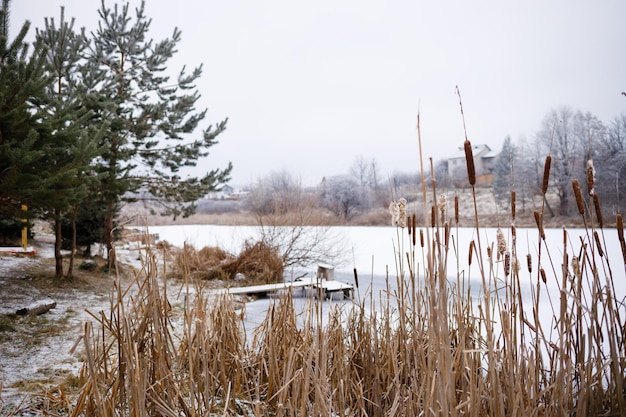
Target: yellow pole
[[25, 228]]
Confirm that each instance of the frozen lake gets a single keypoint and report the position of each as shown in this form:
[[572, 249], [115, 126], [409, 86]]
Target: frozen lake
[[375, 253]]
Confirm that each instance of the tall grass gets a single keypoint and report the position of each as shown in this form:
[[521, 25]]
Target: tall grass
[[428, 348]]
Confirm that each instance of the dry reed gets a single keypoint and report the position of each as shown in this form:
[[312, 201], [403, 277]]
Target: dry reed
[[429, 347]]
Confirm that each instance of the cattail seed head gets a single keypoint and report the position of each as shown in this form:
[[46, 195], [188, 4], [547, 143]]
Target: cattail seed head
[[472, 248], [539, 221], [576, 266], [513, 205], [421, 238], [598, 243], [398, 212], [543, 275], [442, 204], [501, 242], [402, 212], [507, 263], [546, 174], [393, 210], [456, 209], [489, 251], [579, 196], [591, 177], [515, 264], [620, 227], [469, 160], [356, 278], [596, 206], [432, 216], [529, 262]]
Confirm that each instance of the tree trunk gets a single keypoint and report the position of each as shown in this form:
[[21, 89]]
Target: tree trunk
[[70, 269], [108, 236], [58, 240]]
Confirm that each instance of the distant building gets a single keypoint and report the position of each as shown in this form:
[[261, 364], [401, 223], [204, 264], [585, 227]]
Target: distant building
[[483, 163], [227, 193]]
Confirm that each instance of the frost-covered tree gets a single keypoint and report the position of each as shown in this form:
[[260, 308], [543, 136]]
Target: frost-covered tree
[[505, 173], [568, 137], [610, 166], [341, 196]]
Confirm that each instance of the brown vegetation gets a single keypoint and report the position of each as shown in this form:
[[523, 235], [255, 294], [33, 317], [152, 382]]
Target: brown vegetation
[[429, 349]]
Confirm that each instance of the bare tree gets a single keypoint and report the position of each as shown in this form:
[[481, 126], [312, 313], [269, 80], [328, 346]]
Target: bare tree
[[611, 172], [289, 221], [341, 196], [567, 136]]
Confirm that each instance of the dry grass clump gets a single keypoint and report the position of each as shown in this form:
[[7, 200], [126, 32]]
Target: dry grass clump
[[256, 263], [259, 262], [206, 263]]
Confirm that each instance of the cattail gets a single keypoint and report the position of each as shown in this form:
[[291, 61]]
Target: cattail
[[409, 226], [543, 275], [432, 216], [620, 234], [579, 196], [446, 234], [398, 212], [598, 243], [546, 174], [414, 226], [402, 212], [356, 278], [456, 209], [489, 251], [501, 242], [596, 205], [442, 204], [469, 160], [576, 266], [513, 205], [539, 221], [393, 209], [529, 262], [421, 238], [507, 263], [591, 177], [472, 248]]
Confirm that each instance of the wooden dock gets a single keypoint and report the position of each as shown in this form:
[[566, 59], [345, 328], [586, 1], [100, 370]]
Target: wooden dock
[[322, 287]]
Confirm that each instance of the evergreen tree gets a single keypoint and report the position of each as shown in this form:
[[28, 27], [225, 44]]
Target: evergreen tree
[[151, 118], [23, 149], [504, 170], [74, 142]]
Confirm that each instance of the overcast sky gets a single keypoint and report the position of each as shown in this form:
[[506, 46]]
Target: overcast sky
[[308, 87]]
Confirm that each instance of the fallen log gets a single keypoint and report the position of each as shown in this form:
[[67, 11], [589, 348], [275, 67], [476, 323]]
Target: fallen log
[[37, 308]]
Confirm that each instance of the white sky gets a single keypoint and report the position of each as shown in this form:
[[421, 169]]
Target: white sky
[[310, 86]]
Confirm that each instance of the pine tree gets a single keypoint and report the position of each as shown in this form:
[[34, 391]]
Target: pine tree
[[75, 144], [23, 149], [151, 119]]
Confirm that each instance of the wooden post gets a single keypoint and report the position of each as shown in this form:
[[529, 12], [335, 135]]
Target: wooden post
[[24, 228]]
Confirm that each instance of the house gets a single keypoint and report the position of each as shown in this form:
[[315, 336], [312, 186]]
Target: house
[[222, 194], [484, 159], [227, 193]]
